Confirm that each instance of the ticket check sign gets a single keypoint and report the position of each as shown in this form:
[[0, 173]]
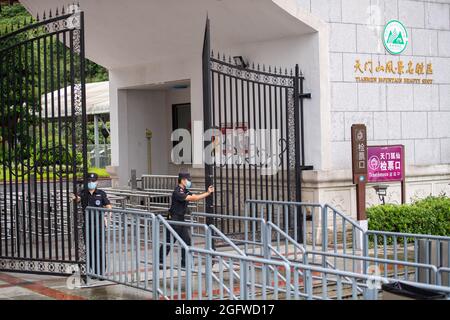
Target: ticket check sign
[[385, 163]]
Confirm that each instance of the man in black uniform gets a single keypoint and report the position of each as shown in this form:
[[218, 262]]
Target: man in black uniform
[[181, 197], [93, 197]]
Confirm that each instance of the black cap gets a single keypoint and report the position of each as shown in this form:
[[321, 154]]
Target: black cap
[[184, 175], [92, 177]]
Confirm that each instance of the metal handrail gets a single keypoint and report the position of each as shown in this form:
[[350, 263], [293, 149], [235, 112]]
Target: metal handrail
[[408, 235], [275, 276]]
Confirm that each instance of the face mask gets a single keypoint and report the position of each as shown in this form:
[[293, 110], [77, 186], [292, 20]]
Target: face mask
[[92, 185], [188, 184]]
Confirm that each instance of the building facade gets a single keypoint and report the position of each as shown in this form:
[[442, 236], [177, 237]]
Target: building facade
[[153, 52]]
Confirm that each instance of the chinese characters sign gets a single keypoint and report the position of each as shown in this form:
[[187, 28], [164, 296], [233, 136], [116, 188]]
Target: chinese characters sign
[[390, 71], [385, 163], [359, 151]]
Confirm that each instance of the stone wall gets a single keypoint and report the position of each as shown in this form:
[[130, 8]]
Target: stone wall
[[416, 115]]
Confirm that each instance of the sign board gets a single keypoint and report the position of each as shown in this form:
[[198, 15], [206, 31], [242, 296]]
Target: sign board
[[385, 163], [359, 168], [359, 153]]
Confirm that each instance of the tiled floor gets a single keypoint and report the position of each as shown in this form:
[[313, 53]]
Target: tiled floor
[[17, 286]]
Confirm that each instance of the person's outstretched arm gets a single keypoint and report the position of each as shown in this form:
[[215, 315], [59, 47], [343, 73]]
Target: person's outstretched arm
[[198, 197]]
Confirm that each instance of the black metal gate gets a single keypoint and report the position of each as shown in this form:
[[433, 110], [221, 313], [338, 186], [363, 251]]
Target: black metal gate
[[43, 143], [258, 113]]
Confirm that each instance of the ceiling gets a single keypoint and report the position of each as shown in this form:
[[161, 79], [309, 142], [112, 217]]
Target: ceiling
[[124, 33]]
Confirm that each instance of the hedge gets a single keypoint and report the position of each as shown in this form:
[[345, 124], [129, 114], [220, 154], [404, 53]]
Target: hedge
[[428, 216]]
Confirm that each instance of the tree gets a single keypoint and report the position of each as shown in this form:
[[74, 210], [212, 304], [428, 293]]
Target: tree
[[19, 79]]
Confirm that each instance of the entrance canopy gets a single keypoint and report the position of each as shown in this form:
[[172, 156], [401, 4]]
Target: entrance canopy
[[97, 100], [126, 33]]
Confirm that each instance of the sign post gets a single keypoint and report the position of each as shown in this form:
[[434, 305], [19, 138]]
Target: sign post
[[359, 167], [359, 171]]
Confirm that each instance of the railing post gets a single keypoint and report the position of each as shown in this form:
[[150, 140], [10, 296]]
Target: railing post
[[365, 251], [87, 244], [287, 267], [243, 276], [208, 267], [324, 234], [189, 274], [308, 284], [246, 226], [267, 239], [155, 271], [370, 293]]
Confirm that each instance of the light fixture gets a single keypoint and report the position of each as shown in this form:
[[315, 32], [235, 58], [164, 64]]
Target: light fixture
[[240, 62], [381, 191]]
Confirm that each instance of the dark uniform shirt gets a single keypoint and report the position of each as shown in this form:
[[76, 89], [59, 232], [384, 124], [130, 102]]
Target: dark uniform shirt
[[97, 199], [179, 204]]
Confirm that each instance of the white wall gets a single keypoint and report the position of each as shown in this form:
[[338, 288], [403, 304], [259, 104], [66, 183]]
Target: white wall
[[327, 58], [284, 52], [144, 75], [147, 110], [417, 116]]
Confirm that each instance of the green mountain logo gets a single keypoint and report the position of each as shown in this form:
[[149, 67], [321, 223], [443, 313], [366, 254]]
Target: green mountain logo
[[395, 37]]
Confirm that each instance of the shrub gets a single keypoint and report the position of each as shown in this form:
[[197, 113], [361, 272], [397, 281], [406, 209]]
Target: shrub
[[428, 216]]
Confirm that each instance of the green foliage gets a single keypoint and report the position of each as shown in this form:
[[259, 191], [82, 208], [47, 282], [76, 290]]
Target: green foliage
[[100, 171], [22, 85], [12, 15], [428, 216]]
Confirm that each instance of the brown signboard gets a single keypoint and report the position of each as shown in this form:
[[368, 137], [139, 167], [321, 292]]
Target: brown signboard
[[359, 151], [359, 167]]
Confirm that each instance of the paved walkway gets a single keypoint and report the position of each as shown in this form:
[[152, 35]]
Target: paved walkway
[[19, 286]]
